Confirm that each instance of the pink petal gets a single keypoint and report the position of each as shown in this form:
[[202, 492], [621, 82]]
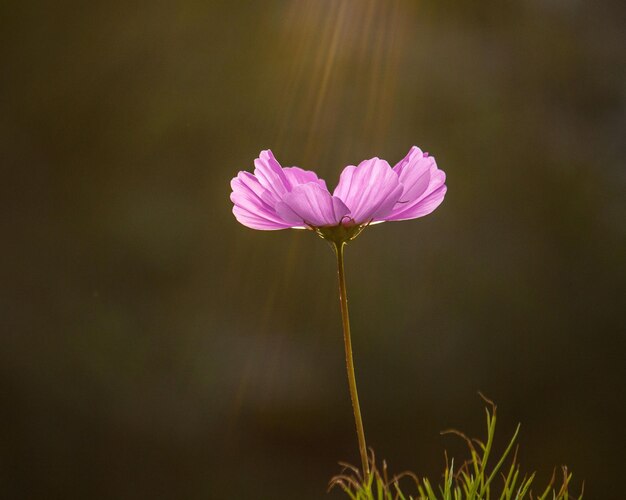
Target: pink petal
[[255, 222], [370, 190], [425, 203], [253, 204], [407, 159], [296, 175], [414, 174], [312, 205], [271, 175], [423, 183]]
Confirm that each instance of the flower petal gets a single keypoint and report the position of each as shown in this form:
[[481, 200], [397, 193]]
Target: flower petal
[[370, 190], [253, 221], [414, 174], [296, 176], [253, 204], [428, 201], [271, 175], [312, 205]]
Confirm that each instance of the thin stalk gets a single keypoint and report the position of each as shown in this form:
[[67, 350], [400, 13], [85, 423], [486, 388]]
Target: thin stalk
[[354, 396]]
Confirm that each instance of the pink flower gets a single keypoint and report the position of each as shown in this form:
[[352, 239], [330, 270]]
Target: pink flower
[[280, 198]]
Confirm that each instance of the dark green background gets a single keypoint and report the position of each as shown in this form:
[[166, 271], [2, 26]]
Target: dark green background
[[152, 347]]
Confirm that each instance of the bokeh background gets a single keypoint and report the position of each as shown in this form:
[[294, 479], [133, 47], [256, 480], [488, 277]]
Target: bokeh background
[[152, 347]]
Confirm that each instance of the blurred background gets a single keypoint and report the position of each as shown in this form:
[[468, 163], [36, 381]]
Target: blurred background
[[152, 347]]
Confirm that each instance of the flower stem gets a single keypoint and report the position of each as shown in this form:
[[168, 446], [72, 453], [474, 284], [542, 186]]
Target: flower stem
[[343, 298]]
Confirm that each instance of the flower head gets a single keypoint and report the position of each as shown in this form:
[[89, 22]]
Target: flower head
[[280, 198]]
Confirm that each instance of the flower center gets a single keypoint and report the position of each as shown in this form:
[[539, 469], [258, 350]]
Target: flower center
[[340, 233]]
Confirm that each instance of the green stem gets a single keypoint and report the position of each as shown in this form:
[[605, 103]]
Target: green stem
[[343, 298]]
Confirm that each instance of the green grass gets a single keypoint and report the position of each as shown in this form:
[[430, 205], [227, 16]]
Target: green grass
[[481, 477]]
